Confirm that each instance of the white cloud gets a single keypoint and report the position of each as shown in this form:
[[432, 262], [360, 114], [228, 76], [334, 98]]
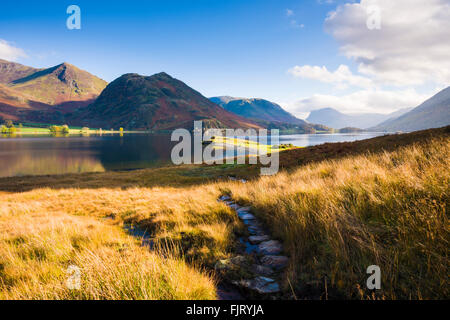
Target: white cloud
[[9, 52], [411, 48], [342, 77], [363, 101], [289, 12], [293, 22]]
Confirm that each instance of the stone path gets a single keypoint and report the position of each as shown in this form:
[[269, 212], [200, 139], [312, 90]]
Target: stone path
[[258, 268]]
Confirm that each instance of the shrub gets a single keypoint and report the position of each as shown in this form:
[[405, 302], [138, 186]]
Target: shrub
[[8, 130], [9, 123], [59, 129]]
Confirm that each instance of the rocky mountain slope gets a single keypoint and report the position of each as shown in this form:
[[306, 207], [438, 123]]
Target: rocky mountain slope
[[257, 109]]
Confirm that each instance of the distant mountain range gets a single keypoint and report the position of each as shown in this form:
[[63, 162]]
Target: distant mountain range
[[158, 102], [67, 94], [335, 119], [257, 109], [433, 113], [266, 113]]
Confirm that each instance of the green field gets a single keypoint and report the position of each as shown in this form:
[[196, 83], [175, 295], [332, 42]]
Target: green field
[[44, 129]]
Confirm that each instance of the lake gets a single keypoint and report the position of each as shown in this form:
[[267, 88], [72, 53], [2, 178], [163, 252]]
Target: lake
[[41, 155]]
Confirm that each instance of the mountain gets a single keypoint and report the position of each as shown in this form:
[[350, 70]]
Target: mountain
[[10, 71], [256, 109], [38, 95], [157, 102], [63, 85], [60, 84], [222, 100], [14, 105], [433, 113], [335, 119]]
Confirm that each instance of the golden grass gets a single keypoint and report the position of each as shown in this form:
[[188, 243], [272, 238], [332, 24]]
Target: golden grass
[[338, 217], [37, 246]]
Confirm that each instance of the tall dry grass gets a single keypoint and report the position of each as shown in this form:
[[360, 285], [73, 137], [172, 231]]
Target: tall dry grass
[[37, 247], [338, 217]]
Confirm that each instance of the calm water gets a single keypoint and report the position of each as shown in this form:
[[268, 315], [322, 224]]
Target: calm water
[[57, 155]]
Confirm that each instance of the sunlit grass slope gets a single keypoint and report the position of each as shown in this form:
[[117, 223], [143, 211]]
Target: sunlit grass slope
[[38, 244], [338, 217]]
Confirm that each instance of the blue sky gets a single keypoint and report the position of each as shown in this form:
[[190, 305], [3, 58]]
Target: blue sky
[[233, 47]]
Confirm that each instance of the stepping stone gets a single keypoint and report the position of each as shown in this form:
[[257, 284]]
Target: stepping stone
[[255, 230], [243, 209], [262, 270], [247, 216], [224, 198], [252, 223], [238, 260], [228, 203], [262, 285], [230, 264], [243, 181], [241, 214], [258, 239], [234, 206], [276, 262], [270, 247]]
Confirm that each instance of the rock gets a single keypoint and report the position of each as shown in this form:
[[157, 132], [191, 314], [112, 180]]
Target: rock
[[243, 181], [223, 265], [224, 198], [234, 206], [275, 262], [243, 210], [228, 203], [255, 230], [262, 270], [270, 247], [262, 285], [252, 223], [258, 239], [228, 292], [238, 260], [230, 264], [247, 216]]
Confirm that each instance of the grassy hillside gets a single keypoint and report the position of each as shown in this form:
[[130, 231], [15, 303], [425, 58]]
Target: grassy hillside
[[338, 208], [337, 217], [60, 84], [10, 71], [37, 247]]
